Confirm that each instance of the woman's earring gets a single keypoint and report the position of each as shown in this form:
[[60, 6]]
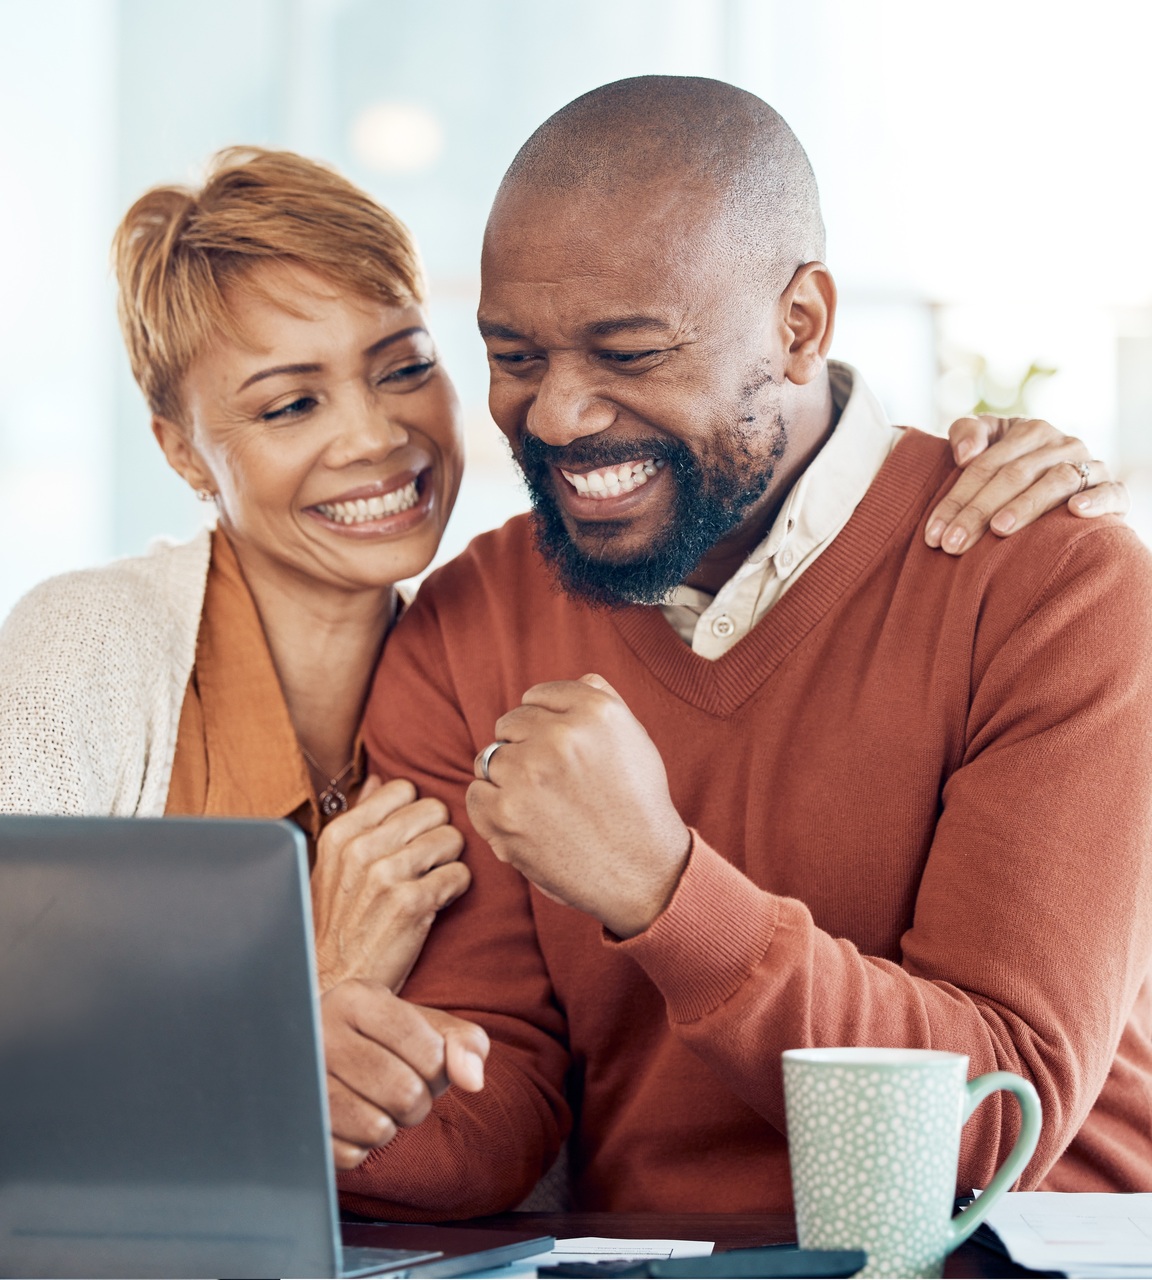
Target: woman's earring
[[205, 495]]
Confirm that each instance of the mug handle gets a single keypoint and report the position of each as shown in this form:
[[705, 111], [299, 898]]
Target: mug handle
[[965, 1222]]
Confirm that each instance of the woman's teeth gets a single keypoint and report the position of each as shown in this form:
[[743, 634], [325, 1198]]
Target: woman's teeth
[[365, 509], [607, 482]]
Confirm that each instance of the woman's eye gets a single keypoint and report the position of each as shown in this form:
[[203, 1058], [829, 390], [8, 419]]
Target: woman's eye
[[407, 372], [293, 410]]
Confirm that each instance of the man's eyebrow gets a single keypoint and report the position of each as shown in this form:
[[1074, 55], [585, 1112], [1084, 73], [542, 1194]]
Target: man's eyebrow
[[627, 324], [488, 329], [601, 329], [373, 350]]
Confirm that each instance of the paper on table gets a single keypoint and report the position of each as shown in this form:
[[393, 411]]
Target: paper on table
[[598, 1249], [1081, 1233]]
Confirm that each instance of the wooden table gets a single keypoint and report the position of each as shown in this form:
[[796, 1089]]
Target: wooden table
[[730, 1231]]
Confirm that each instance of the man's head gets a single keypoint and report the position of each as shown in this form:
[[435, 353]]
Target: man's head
[[656, 318]]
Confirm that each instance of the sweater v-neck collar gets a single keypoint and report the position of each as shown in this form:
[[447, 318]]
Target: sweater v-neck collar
[[721, 686]]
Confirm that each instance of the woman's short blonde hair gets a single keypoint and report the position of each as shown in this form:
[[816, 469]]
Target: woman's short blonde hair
[[177, 253]]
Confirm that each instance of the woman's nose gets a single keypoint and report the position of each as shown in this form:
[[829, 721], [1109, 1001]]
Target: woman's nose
[[369, 431]]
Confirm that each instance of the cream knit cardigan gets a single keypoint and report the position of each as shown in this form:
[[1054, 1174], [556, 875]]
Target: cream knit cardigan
[[93, 669]]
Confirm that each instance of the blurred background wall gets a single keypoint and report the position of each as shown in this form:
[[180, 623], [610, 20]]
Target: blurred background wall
[[984, 168]]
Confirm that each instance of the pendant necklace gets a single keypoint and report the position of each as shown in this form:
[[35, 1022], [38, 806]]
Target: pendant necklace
[[331, 799]]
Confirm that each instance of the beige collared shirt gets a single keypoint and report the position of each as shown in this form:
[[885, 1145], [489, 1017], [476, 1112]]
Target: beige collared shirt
[[819, 506]]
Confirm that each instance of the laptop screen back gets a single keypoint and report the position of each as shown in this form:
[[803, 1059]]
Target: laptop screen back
[[161, 1088]]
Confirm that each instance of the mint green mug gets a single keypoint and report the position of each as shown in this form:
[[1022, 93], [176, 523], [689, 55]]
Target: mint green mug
[[874, 1140]]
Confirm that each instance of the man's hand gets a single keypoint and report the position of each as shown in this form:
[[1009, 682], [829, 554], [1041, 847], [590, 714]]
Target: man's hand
[[387, 1060], [579, 804], [1016, 469], [383, 870]]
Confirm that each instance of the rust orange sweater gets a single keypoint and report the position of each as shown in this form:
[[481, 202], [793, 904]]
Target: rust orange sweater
[[922, 796]]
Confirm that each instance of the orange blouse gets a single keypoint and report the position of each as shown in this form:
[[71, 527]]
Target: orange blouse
[[237, 754]]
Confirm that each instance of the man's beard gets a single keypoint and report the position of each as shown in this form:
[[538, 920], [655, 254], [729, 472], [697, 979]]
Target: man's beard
[[710, 499]]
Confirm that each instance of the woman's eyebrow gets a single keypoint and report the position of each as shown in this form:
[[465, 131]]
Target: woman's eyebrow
[[280, 368], [374, 349], [394, 337]]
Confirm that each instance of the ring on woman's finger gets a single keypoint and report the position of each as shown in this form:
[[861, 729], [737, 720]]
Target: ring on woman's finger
[[1085, 471], [484, 759]]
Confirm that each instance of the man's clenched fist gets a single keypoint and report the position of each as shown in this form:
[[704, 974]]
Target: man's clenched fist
[[578, 802]]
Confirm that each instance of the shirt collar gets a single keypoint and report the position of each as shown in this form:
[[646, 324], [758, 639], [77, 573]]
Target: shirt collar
[[836, 479], [255, 768], [829, 490]]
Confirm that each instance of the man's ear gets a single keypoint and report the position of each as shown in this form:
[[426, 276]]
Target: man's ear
[[181, 454], [809, 316]]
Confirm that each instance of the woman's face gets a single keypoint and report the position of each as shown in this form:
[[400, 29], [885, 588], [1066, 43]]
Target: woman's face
[[331, 436]]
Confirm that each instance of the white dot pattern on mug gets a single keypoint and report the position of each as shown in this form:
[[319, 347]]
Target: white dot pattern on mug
[[874, 1154]]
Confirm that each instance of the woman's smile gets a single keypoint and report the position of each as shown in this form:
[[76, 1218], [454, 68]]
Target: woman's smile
[[386, 509]]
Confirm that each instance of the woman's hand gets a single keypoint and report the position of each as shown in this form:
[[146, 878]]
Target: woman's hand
[[387, 1061], [383, 870], [1016, 469]]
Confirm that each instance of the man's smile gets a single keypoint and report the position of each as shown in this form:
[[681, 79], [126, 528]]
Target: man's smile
[[597, 499], [609, 482]]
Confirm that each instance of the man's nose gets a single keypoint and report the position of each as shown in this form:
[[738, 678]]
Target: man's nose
[[567, 407]]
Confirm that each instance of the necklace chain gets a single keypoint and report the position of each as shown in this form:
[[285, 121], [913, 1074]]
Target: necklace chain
[[331, 799]]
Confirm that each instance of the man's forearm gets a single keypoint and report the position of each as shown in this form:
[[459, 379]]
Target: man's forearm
[[752, 975], [475, 1154]]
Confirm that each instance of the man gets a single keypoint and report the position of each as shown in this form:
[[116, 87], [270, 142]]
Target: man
[[764, 770]]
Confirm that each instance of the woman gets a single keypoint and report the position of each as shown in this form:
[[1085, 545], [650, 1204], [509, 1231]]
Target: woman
[[274, 324], [273, 321]]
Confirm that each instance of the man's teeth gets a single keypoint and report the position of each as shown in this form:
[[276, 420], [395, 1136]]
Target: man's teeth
[[608, 482], [365, 509]]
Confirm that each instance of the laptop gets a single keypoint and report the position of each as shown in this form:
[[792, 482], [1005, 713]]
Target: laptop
[[163, 1109]]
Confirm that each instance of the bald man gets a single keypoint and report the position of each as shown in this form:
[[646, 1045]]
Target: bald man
[[755, 766]]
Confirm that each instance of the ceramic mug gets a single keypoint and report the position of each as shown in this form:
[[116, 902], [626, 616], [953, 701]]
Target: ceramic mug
[[874, 1140]]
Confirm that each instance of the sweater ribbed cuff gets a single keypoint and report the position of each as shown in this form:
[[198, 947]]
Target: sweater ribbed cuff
[[709, 938]]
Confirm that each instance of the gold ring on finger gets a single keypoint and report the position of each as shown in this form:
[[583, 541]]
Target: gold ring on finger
[[1085, 470]]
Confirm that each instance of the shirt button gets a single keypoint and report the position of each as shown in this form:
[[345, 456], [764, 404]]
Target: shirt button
[[786, 558], [723, 626]]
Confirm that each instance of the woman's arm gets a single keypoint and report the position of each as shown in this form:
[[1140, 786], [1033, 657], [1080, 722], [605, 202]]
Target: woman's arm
[[93, 670], [76, 675]]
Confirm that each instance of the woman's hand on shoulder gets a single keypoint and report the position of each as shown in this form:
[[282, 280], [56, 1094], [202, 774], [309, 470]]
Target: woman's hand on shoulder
[[383, 870], [1015, 470]]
